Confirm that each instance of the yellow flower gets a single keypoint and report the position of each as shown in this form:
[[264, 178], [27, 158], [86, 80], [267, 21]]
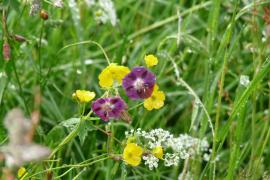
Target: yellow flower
[[156, 100], [112, 73], [158, 152], [83, 96], [133, 154], [150, 60], [21, 172]]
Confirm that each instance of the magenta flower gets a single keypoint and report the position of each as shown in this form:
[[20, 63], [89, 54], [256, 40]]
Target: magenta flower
[[139, 83], [109, 108]]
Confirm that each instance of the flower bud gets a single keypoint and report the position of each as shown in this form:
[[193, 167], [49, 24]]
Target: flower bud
[[43, 14], [19, 38], [6, 51]]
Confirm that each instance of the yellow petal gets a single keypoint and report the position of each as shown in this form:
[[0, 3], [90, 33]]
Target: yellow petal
[[148, 104], [150, 60], [105, 78], [84, 96], [158, 152], [112, 73], [132, 154]]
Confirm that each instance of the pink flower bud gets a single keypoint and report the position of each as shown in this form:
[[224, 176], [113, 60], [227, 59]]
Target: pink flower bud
[[6, 51]]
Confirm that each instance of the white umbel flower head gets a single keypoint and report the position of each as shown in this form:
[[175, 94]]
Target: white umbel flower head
[[35, 7], [107, 12], [171, 159], [151, 161], [58, 3], [187, 146]]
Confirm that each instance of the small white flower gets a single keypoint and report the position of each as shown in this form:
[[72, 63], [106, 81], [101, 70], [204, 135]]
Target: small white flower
[[58, 3], [206, 157], [104, 11], [151, 161], [171, 159], [35, 7], [244, 80], [90, 2], [187, 146]]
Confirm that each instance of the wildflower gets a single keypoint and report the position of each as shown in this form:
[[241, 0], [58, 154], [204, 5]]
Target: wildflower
[[58, 3], [150, 60], [154, 138], [171, 159], [151, 161], [132, 154], [187, 146], [158, 152], [112, 73], [157, 141], [244, 80], [109, 108], [35, 7], [139, 83], [84, 96], [21, 173], [156, 100], [105, 12]]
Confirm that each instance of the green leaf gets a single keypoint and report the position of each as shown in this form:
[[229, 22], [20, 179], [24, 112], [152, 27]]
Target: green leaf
[[85, 126], [70, 123], [55, 136]]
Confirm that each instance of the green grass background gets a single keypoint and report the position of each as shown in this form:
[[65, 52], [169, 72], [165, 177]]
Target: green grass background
[[217, 42]]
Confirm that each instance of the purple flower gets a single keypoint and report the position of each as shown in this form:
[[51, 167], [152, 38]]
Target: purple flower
[[109, 108], [139, 83]]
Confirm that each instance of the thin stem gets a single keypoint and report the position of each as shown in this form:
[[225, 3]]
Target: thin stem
[[87, 42]]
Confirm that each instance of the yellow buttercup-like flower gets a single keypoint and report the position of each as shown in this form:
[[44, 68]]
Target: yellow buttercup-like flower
[[112, 73], [156, 101], [158, 152], [83, 96], [150, 60], [21, 173], [133, 154]]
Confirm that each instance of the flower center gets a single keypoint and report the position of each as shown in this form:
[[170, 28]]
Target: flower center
[[139, 84], [107, 107]]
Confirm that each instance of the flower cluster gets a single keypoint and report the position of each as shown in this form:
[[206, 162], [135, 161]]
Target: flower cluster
[[139, 83], [159, 144], [104, 11]]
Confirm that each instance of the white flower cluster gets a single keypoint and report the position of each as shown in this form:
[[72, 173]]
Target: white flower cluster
[[181, 147], [35, 7], [187, 146], [58, 3], [151, 161], [104, 11], [171, 159], [155, 137]]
